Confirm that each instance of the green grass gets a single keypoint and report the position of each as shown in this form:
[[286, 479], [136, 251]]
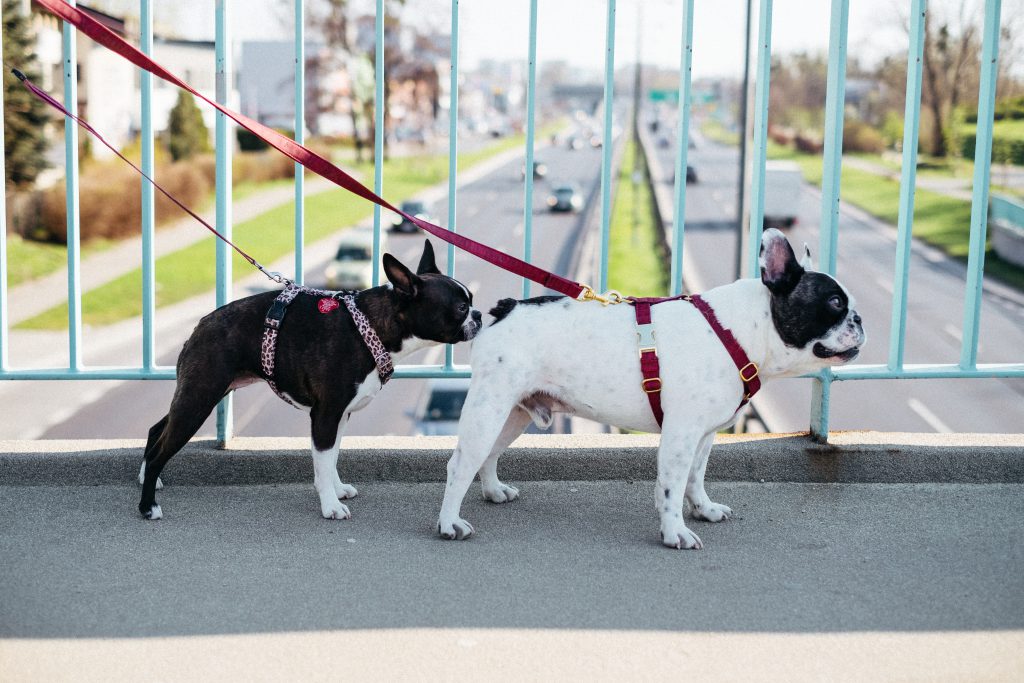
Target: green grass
[[190, 271], [635, 263], [27, 260]]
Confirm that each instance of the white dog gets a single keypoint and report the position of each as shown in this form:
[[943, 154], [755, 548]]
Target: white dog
[[552, 354]]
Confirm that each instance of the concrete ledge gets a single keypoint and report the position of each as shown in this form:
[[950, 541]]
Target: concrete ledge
[[850, 457]]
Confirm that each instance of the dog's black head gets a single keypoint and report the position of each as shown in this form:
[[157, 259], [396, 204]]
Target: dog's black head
[[434, 306], [810, 310]]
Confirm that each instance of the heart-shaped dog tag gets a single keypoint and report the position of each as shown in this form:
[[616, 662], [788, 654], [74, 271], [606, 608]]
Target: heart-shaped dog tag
[[327, 304]]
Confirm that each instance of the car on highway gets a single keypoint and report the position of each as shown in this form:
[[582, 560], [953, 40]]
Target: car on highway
[[440, 407], [565, 198], [352, 266], [540, 170], [691, 175], [413, 208]]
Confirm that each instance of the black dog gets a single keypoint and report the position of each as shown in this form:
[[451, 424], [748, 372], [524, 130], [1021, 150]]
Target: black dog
[[322, 363]]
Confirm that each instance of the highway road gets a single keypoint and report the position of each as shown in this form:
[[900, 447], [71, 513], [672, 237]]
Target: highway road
[[865, 264], [489, 209]]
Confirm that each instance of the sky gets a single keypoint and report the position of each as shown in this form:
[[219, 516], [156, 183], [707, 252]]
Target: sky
[[575, 30]]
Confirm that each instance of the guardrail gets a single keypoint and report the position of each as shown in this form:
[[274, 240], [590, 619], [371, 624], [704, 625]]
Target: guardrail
[[895, 368]]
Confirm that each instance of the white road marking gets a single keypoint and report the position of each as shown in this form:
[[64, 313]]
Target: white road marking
[[953, 331], [517, 230], [928, 416], [884, 284]]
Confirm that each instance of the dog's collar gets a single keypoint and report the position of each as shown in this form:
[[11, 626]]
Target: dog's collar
[[275, 316], [650, 367]]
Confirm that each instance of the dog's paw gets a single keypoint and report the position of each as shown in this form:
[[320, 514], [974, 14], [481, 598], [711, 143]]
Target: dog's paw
[[335, 510], [502, 493], [459, 529], [711, 512], [679, 537], [153, 513], [343, 490]]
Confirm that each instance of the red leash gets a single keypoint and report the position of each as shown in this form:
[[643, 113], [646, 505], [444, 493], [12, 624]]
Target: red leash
[[311, 160]]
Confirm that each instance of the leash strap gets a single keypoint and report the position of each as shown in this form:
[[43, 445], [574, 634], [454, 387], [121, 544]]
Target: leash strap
[[275, 316], [650, 367], [300, 154]]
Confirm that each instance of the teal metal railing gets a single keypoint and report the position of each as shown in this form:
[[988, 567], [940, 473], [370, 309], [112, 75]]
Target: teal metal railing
[[895, 367]]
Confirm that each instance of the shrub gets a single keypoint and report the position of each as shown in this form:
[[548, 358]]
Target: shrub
[[186, 132], [110, 201], [809, 144], [860, 137]]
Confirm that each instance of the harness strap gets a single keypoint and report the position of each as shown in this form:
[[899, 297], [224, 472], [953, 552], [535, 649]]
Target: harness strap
[[650, 367], [275, 316], [381, 357]]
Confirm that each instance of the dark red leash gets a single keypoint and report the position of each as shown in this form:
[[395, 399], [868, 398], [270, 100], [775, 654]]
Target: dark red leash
[[311, 160], [651, 368]]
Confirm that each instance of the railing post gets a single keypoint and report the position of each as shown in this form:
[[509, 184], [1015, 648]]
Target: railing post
[[223, 142], [757, 171], [146, 135], [300, 137], [453, 155], [683, 143], [908, 183], [378, 136], [531, 103], [606, 149], [3, 235], [71, 195], [835, 103], [979, 197]]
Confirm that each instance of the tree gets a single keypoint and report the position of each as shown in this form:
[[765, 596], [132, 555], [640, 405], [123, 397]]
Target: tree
[[24, 115], [186, 131]]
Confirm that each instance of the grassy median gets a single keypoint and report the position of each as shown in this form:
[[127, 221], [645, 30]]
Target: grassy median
[[636, 264]]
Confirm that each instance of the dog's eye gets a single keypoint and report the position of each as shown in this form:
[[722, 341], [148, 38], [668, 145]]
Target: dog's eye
[[463, 307], [836, 302]]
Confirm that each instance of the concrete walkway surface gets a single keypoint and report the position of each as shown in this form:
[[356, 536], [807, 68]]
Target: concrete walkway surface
[[808, 581]]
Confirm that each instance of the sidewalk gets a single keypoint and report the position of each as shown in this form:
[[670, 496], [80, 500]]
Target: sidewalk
[[809, 581]]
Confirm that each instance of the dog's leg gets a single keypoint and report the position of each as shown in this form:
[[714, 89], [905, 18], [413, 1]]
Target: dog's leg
[[491, 486], [327, 427], [183, 420], [154, 433], [703, 507], [676, 454], [482, 422]]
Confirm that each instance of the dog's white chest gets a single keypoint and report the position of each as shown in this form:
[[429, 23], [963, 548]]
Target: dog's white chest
[[368, 389]]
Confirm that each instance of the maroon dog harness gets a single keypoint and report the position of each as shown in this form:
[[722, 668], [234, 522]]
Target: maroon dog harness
[[650, 367], [275, 315]]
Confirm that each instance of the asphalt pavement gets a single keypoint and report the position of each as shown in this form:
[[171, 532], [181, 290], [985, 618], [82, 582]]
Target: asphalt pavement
[[570, 582]]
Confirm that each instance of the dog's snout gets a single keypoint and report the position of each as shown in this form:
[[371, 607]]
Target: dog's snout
[[477, 316]]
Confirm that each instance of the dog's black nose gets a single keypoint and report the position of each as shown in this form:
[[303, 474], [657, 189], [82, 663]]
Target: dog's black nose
[[856, 318], [477, 316]]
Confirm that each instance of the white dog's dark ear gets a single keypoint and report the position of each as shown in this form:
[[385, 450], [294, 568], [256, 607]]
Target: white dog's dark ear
[[805, 261], [401, 277], [427, 264], [780, 271]]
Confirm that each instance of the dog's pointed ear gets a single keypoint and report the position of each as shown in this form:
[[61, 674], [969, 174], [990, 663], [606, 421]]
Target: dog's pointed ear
[[427, 264], [780, 271], [805, 261], [400, 277]]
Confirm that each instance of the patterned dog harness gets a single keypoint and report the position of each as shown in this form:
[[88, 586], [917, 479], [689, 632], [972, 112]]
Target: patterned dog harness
[[275, 315]]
